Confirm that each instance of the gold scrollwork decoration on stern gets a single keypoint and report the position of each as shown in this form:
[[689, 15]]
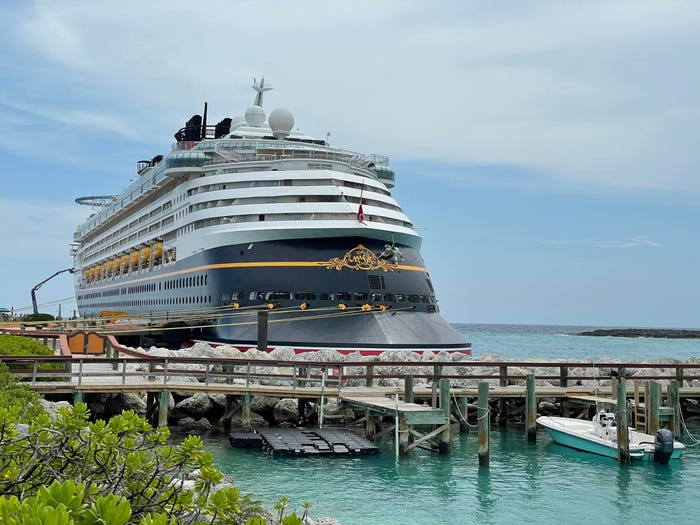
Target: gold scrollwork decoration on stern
[[359, 258]]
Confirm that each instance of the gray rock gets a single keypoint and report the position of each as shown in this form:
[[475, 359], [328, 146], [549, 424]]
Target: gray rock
[[197, 405], [286, 411], [53, 407], [189, 424], [256, 421]]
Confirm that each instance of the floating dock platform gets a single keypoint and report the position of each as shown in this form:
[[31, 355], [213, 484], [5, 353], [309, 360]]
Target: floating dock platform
[[304, 441]]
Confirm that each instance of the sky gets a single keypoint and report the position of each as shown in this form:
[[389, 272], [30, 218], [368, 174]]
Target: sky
[[547, 152]]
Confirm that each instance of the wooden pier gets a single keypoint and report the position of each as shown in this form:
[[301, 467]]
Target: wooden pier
[[433, 397]]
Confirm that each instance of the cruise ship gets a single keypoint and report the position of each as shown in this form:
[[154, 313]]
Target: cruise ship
[[253, 215]]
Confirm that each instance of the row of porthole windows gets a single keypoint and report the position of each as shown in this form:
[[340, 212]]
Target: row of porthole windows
[[329, 296], [173, 284], [184, 282], [160, 301]]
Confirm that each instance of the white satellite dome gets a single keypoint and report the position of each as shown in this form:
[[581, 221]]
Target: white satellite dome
[[281, 122], [255, 116]]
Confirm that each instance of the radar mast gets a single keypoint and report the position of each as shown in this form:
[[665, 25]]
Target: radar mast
[[260, 88]]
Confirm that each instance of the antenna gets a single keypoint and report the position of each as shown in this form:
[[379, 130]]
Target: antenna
[[260, 89]]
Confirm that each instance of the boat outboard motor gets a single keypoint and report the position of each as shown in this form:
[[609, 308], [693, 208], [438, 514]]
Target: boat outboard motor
[[663, 446]]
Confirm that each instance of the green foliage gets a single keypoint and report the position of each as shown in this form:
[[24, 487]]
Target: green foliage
[[22, 345], [121, 472], [30, 318], [17, 400]]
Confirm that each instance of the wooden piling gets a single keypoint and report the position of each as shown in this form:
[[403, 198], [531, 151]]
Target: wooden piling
[[262, 330], [163, 408], [483, 417], [623, 437], [531, 409], [463, 405], [445, 406], [245, 410], [77, 397], [674, 400], [408, 388], [653, 403], [369, 382]]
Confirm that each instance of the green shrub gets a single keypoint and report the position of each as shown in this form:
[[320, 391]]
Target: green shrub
[[31, 318], [22, 345]]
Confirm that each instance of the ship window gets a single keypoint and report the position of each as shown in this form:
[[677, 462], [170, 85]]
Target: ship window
[[389, 298], [413, 298], [323, 296], [261, 218], [374, 282], [360, 296], [252, 296], [424, 299], [343, 296], [376, 297]]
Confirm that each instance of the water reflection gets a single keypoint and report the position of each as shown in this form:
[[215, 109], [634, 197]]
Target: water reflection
[[484, 497]]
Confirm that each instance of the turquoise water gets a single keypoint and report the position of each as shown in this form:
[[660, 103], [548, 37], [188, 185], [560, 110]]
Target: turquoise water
[[537, 482]]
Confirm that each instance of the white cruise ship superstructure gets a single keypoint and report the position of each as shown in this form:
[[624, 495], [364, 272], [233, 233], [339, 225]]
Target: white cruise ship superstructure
[[251, 214]]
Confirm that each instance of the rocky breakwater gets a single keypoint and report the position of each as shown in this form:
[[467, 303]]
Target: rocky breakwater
[[662, 333], [199, 412]]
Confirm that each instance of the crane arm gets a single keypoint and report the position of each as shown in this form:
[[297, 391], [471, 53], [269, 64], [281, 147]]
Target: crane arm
[[34, 305]]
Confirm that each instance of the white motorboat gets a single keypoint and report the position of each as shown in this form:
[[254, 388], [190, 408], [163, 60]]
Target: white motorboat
[[599, 436]]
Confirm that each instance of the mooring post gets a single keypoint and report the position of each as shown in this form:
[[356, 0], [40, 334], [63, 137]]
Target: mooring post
[[404, 434], [503, 402], [437, 372], [370, 380], [163, 408], [483, 418], [623, 438], [370, 428], [531, 409], [262, 330], [674, 399], [463, 406], [408, 388], [445, 406], [77, 397], [654, 403], [245, 410]]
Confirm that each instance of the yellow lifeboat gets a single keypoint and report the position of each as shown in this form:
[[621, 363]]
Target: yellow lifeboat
[[116, 264], [135, 258], [125, 261], [145, 254], [157, 251], [108, 267], [98, 271]]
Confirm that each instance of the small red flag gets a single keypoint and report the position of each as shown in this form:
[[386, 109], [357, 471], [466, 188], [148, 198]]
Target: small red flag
[[360, 214]]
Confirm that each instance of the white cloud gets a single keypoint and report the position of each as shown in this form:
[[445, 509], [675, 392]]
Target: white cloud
[[635, 242], [596, 93]]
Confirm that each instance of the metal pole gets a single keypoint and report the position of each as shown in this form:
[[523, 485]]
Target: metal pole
[[531, 408], [323, 385], [396, 426]]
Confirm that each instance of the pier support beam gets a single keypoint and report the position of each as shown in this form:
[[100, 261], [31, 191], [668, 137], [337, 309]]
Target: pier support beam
[[245, 410], [404, 435], [531, 409], [623, 438], [77, 397], [445, 406], [163, 408], [463, 405], [483, 417]]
